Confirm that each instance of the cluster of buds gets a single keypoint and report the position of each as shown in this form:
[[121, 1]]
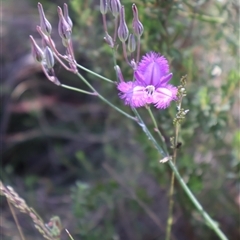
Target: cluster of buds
[[121, 29], [47, 53], [181, 93]]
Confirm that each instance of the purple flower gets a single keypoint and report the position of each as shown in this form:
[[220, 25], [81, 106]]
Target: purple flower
[[150, 85]]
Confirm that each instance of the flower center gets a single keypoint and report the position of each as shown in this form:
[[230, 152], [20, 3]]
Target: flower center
[[150, 89]]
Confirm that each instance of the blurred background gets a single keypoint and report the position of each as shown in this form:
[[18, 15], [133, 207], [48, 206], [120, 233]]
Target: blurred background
[[71, 155]]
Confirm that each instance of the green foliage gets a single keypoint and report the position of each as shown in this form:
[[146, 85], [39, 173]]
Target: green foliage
[[91, 208], [70, 139]]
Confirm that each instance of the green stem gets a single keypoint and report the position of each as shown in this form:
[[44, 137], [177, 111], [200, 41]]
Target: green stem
[[95, 74], [211, 223], [156, 128], [77, 89], [102, 98], [147, 132], [171, 191]]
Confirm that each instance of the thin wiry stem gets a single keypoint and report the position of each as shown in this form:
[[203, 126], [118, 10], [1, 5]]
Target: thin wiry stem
[[125, 53], [104, 22], [148, 133], [171, 191], [156, 129], [16, 220], [115, 29], [78, 90], [69, 234], [102, 98], [210, 222], [95, 74], [138, 49]]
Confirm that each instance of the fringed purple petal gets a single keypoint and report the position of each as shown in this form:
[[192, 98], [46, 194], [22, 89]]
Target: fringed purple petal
[[131, 94], [164, 80], [140, 78], [164, 95], [153, 67]]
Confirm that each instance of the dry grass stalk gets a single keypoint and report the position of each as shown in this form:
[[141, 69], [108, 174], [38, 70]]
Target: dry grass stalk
[[50, 231]]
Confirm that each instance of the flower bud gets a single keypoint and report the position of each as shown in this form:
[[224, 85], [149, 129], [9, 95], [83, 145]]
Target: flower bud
[[119, 73], [131, 43], [50, 74], [103, 6], [36, 50], [49, 57], [122, 29], [115, 7], [133, 65], [109, 40], [64, 29], [136, 24], [66, 16], [44, 23], [45, 39]]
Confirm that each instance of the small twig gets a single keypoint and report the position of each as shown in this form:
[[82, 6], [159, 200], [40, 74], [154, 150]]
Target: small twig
[[69, 234], [16, 220]]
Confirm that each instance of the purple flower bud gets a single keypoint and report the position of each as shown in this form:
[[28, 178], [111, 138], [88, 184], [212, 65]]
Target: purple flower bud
[[66, 16], [131, 43], [64, 29], [115, 7], [109, 40], [45, 40], [44, 23], [49, 57], [119, 73], [50, 74], [36, 50], [133, 64], [136, 24], [122, 29], [103, 6]]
